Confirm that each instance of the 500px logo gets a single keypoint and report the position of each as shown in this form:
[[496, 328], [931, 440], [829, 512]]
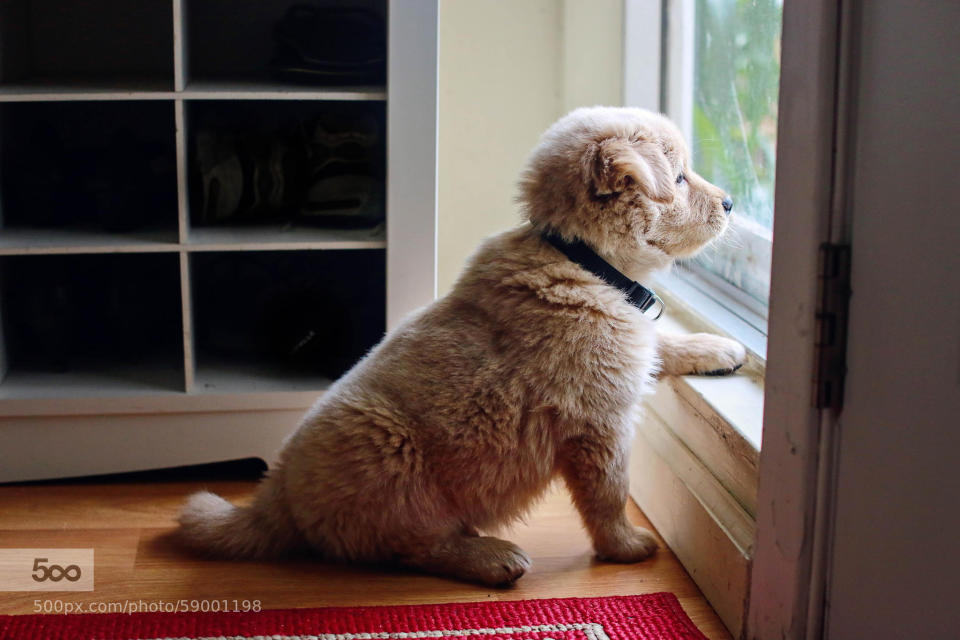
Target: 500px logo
[[55, 572], [46, 569]]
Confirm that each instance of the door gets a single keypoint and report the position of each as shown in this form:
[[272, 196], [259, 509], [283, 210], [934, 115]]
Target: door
[[894, 566]]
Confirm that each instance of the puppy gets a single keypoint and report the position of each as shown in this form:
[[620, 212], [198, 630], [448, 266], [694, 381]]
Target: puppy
[[530, 368]]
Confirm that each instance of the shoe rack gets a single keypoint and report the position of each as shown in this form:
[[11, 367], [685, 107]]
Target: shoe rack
[[134, 336]]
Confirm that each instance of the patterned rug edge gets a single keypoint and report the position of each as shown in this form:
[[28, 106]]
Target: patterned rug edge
[[656, 616]]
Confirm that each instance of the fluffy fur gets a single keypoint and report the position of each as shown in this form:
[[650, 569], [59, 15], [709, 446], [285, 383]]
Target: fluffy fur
[[531, 367]]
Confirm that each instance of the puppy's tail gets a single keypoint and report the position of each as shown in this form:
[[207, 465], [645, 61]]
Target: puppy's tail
[[211, 526]]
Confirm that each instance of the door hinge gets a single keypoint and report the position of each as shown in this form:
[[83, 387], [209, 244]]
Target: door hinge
[[831, 326]]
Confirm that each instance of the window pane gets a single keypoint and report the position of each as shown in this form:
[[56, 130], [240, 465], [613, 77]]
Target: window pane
[[736, 78]]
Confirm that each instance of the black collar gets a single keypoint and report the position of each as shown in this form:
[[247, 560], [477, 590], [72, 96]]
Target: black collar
[[638, 295]]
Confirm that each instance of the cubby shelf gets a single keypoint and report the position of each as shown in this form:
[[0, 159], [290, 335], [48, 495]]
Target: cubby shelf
[[226, 376], [60, 90], [79, 78], [273, 90], [16, 242], [27, 241], [102, 381], [274, 238], [45, 91], [138, 327]]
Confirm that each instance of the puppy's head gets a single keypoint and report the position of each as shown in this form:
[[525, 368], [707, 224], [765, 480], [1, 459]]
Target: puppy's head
[[620, 179]]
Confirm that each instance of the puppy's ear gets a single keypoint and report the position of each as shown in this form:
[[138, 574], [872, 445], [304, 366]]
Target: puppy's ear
[[612, 165]]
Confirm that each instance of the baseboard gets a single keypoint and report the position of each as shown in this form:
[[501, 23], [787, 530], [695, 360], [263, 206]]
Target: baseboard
[[705, 526], [43, 448]]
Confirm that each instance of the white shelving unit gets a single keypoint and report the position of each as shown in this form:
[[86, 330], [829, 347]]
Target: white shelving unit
[[133, 348]]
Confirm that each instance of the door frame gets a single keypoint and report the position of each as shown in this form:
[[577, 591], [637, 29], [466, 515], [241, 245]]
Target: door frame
[[797, 458]]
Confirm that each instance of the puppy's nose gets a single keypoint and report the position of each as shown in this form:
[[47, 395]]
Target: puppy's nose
[[727, 204]]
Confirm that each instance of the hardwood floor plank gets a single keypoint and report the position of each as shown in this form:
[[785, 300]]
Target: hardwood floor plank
[[128, 525]]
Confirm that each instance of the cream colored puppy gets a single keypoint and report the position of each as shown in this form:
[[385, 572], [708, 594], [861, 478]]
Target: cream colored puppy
[[532, 367]]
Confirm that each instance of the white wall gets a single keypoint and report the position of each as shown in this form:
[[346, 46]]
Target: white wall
[[499, 89], [592, 62], [508, 69], [896, 552]]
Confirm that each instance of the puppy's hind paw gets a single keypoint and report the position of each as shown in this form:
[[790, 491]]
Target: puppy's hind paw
[[504, 563], [481, 559], [634, 545]]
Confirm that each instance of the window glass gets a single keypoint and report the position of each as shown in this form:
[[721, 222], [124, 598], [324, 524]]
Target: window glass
[[736, 75]]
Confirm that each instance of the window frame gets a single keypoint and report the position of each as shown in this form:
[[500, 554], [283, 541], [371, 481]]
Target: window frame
[[739, 314]]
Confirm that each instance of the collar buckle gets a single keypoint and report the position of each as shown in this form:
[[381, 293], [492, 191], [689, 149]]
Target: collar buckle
[[662, 308], [638, 295], [644, 299]]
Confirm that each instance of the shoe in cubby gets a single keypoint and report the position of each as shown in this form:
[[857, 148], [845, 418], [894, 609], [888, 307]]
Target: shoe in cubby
[[303, 172]]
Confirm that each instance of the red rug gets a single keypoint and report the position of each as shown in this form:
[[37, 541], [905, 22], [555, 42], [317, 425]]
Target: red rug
[[656, 616]]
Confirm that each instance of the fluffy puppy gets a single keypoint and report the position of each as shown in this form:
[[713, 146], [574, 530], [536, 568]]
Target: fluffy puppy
[[531, 367]]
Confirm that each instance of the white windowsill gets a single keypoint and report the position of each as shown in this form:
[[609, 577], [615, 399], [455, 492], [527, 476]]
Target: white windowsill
[[718, 419], [736, 399]]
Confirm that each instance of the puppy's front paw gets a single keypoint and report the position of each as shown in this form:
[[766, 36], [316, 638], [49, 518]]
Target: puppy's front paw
[[711, 355], [631, 545], [723, 356]]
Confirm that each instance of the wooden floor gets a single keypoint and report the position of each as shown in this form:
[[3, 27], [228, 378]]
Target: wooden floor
[[125, 522]]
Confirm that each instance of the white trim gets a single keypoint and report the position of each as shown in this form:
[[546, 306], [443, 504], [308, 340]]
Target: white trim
[[694, 466], [828, 452], [679, 65], [700, 522], [783, 583], [641, 55], [45, 447], [412, 99], [729, 455], [786, 584]]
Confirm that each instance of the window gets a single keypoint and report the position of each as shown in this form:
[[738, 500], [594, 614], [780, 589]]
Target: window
[[736, 75], [719, 77]]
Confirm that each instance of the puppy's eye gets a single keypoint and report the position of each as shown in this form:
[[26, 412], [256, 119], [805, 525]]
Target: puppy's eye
[[681, 178]]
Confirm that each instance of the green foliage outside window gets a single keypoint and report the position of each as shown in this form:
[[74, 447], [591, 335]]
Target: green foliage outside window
[[737, 75], [736, 85]]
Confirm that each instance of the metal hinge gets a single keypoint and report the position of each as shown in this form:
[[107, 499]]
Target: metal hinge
[[831, 343]]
